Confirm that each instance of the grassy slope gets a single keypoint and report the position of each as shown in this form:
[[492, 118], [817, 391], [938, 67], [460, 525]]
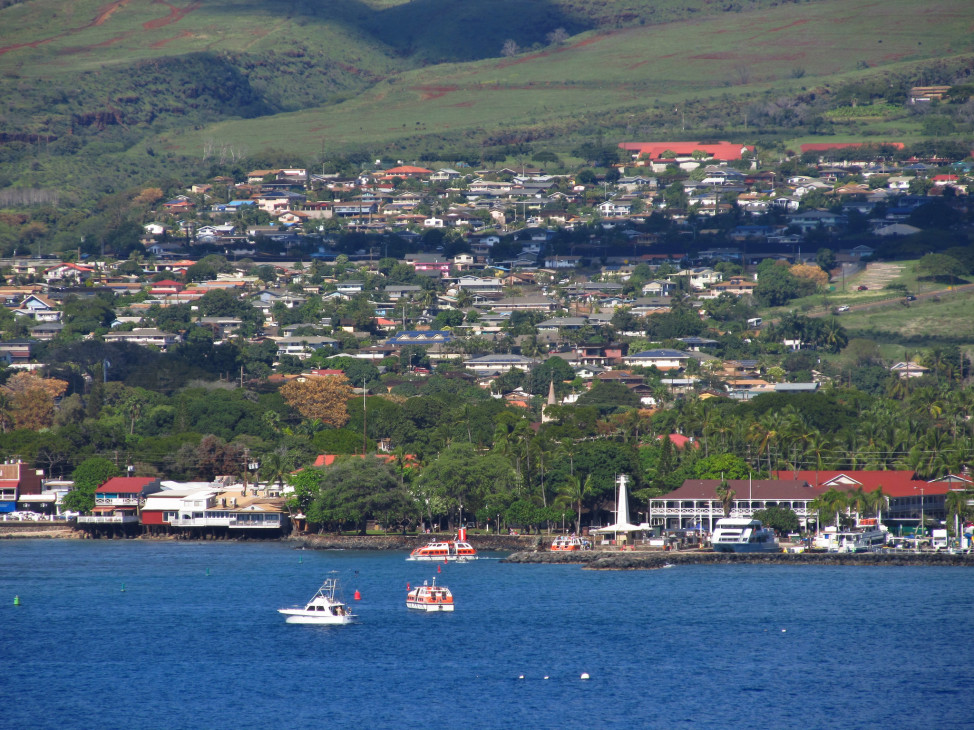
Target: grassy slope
[[141, 76], [628, 69]]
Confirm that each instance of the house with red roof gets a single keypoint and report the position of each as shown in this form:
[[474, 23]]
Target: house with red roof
[[166, 286], [66, 271], [119, 501], [405, 171], [679, 441], [723, 151], [409, 460]]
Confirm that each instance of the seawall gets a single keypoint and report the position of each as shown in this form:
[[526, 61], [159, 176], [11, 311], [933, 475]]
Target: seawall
[[16, 530], [597, 560]]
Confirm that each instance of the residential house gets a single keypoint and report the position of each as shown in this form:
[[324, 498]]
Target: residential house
[[699, 278], [38, 308], [17, 352], [145, 336], [426, 262], [657, 288], [523, 304], [303, 346], [480, 285], [17, 481], [500, 363], [662, 359], [909, 370], [68, 272], [395, 292], [46, 331], [120, 499], [420, 337]]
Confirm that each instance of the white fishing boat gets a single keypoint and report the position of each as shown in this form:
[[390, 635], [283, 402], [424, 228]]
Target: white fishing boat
[[569, 544], [448, 550], [743, 535], [430, 598], [323, 608], [851, 541]]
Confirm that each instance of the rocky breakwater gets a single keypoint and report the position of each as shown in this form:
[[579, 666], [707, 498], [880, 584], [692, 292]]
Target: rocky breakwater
[[599, 560], [408, 542]]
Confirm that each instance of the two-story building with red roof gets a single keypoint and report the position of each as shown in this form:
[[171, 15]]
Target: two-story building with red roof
[[119, 501], [908, 496]]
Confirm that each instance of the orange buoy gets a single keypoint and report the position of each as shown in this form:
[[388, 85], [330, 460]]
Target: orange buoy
[[439, 569], [358, 596], [407, 586]]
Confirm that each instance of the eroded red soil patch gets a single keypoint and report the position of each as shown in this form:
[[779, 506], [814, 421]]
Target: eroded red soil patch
[[104, 14], [175, 15], [790, 25], [428, 93], [166, 41]]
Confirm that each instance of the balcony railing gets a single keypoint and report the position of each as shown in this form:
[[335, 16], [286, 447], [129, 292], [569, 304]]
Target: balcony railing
[[267, 523], [107, 519]]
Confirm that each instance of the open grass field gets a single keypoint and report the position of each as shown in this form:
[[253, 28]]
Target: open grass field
[[947, 319], [631, 68]]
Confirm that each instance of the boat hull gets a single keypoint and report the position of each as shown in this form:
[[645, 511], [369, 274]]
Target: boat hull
[[441, 558], [299, 616]]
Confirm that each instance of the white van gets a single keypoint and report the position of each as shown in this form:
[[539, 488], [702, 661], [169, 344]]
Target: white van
[[754, 322]]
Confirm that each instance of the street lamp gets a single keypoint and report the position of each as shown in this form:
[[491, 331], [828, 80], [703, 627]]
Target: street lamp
[[921, 516]]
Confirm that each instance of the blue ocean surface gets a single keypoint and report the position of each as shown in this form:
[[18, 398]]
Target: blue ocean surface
[[195, 641]]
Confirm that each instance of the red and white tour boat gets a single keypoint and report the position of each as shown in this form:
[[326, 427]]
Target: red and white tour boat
[[430, 598], [447, 550]]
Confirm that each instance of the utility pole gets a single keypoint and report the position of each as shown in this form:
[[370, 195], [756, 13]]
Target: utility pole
[[365, 438], [246, 465]]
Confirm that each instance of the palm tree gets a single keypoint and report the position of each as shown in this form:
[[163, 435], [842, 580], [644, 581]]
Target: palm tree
[[877, 501], [276, 465], [464, 298], [831, 502], [958, 504], [726, 495], [576, 491]]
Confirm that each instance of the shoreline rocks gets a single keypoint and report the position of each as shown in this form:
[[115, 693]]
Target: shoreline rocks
[[597, 560], [409, 542]]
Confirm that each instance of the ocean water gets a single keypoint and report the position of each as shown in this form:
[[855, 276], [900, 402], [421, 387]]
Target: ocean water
[[195, 641]]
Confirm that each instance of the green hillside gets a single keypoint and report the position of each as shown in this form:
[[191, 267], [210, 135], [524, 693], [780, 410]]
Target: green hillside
[[95, 94], [637, 76]]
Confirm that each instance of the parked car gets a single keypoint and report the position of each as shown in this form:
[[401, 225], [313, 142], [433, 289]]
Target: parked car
[[843, 308], [910, 298], [862, 287]]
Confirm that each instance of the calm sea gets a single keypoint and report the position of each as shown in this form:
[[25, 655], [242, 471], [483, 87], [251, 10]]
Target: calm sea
[[195, 641]]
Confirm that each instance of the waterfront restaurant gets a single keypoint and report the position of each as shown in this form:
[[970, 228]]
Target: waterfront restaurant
[[696, 504]]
